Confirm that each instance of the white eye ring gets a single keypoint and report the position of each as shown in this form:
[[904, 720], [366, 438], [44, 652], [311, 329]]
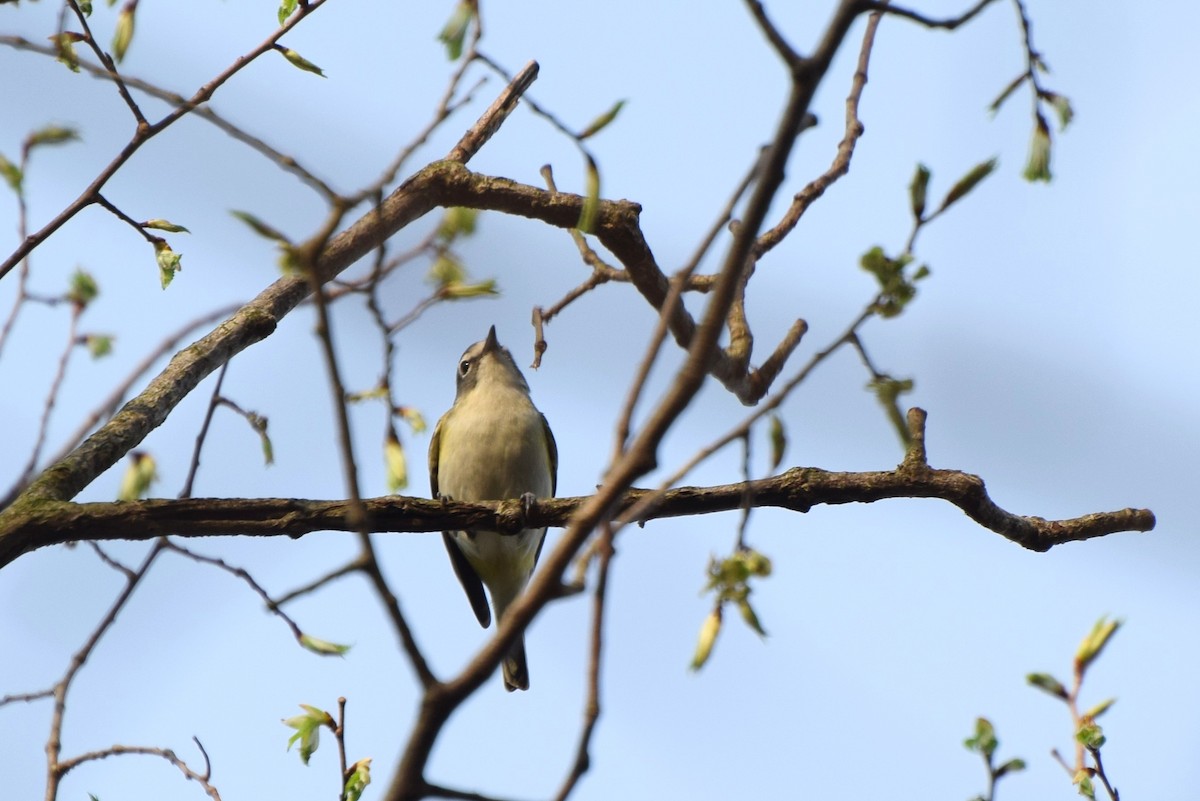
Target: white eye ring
[[464, 367]]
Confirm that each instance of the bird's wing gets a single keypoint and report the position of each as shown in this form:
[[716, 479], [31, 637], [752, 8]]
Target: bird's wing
[[467, 576], [552, 447]]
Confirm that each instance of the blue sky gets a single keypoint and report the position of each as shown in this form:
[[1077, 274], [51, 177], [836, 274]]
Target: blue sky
[[1053, 346]]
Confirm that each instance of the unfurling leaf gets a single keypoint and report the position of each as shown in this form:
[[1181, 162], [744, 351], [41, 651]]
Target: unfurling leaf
[[51, 135], [412, 416], [896, 289], [165, 225], [11, 173], [168, 262], [708, 637], [461, 291], [123, 32], [1090, 734], [286, 9], [984, 740], [1007, 92], [397, 464], [358, 779], [299, 61], [1083, 781], [598, 124], [64, 44], [98, 345], [141, 473], [259, 423], [454, 32], [968, 182], [888, 391], [1011, 766], [259, 227], [917, 190], [1062, 107], [446, 271], [323, 647], [750, 617], [1037, 168], [457, 221], [1100, 708], [778, 441], [378, 393], [308, 730], [1094, 642], [1047, 683], [591, 201], [83, 289]]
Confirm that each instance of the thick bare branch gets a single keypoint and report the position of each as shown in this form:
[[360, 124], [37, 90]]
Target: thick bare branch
[[798, 489]]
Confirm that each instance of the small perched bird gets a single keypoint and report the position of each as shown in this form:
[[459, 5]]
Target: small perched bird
[[492, 445]]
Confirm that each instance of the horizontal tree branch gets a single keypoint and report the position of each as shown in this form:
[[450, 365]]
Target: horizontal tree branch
[[798, 489]]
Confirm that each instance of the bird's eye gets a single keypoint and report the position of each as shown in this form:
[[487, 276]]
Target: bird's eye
[[464, 367]]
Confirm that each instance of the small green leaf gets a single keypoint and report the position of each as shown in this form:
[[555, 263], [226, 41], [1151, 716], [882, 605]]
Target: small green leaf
[[591, 201], [139, 475], [164, 225], [1037, 168], [708, 637], [397, 464], [412, 416], [359, 778], [888, 391], [259, 423], [86, 7], [308, 730], [1100, 708], [286, 9], [757, 564], [1083, 781], [1095, 641], [168, 262], [446, 270], [98, 345], [456, 221], [895, 289], [917, 190], [749, 616], [123, 32], [778, 441], [454, 32], [1011, 766], [51, 135], [299, 61], [83, 289], [1007, 92], [598, 124], [1062, 107], [1047, 683], [460, 291], [12, 174], [378, 393], [323, 647], [259, 227], [64, 44], [1090, 735], [968, 182], [984, 740]]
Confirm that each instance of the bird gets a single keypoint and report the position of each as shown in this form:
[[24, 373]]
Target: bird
[[493, 444]]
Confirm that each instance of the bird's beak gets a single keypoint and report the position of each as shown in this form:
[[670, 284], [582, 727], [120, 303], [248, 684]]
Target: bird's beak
[[491, 343]]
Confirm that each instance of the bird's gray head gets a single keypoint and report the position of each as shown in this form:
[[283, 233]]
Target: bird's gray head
[[488, 363]]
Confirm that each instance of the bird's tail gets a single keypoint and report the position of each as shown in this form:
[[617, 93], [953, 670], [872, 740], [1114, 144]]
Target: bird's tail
[[514, 668]]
